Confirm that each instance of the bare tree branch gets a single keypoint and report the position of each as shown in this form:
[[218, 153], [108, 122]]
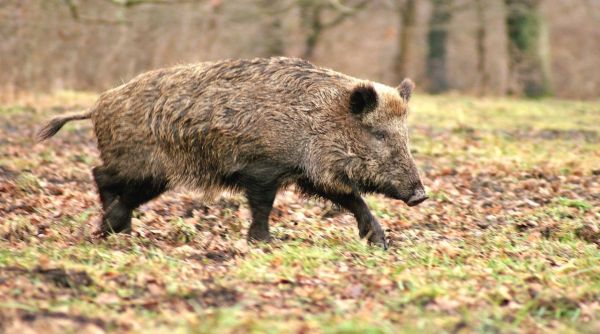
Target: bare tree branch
[[75, 14], [72, 9], [132, 3], [346, 12], [340, 6]]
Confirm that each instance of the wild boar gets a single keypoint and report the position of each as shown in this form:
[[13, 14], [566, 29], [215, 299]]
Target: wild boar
[[256, 126]]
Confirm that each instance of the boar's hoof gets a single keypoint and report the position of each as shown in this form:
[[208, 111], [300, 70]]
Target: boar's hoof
[[377, 238], [116, 219], [258, 235], [107, 229]]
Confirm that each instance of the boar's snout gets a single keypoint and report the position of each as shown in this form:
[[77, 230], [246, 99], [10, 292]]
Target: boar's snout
[[418, 196]]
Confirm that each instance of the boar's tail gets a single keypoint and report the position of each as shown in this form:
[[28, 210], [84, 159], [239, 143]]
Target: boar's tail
[[56, 123]]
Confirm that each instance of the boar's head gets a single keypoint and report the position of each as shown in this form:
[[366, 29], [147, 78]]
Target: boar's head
[[378, 157]]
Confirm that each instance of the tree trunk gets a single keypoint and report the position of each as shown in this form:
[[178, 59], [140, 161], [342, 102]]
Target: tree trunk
[[271, 28], [437, 40], [529, 59], [407, 18], [310, 15], [481, 36]]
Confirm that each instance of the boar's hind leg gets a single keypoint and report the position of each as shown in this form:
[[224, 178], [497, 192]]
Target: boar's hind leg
[[117, 217], [107, 188], [367, 224], [260, 199], [120, 197], [260, 183]]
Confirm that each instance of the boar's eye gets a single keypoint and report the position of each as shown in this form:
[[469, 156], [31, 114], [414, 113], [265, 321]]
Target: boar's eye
[[380, 135]]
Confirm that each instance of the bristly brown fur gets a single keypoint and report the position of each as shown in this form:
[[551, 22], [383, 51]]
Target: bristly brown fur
[[252, 125]]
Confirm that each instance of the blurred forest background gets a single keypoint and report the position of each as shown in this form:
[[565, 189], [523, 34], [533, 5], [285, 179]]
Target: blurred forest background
[[509, 241], [491, 47]]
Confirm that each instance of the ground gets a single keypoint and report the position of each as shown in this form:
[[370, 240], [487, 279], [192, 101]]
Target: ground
[[508, 242]]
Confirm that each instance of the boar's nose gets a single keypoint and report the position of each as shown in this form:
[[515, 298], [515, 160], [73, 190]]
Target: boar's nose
[[418, 197]]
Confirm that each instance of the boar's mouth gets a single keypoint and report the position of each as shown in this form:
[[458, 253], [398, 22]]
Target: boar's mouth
[[393, 192], [415, 199], [387, 190]]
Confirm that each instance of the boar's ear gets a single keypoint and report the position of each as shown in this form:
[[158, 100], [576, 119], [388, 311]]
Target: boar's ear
[[406, 87], [363, 99]]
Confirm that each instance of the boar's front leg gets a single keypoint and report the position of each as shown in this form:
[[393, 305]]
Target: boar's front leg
[[368, 227]]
